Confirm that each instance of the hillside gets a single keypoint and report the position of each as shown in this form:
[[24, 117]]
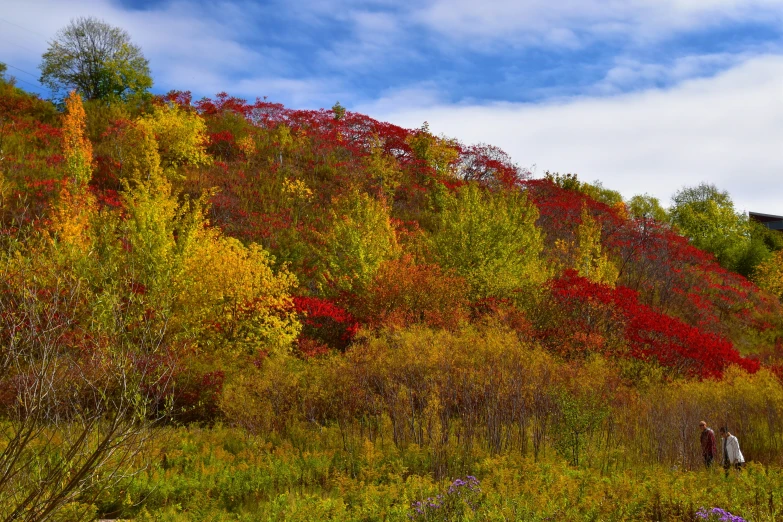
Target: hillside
[[289, 272], [343, 203]]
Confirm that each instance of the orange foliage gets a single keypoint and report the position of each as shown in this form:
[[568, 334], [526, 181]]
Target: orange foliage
[[76, 145], [71, 219], [404, 293]]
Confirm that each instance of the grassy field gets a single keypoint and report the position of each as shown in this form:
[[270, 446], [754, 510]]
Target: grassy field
[[217, 474]]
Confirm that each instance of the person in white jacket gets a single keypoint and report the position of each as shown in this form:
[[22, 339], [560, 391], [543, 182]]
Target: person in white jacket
[[732, 456]]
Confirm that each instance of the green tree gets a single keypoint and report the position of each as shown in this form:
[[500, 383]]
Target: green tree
[[491, 240], [598, 192], [595, 190], [339, 111], [439, 153], [97, 60], [578, 417], [706, 215], [762, 246], [591, 260], [644, 206], [360, 238]]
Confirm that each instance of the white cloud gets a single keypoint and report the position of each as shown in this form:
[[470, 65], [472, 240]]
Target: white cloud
[[309, 93], [727, 130], [632, 74], [542, 22], [370, 40], [411, 99]]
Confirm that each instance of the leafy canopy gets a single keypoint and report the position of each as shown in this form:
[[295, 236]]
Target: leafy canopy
[[706, 215], [95, 59], [360, 238], [645, 206], [491, 240]]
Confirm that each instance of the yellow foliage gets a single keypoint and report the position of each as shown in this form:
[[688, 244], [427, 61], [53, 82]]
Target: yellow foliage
[[72, 220], [135, 150], [297, 190], [383, 168], [233, 289], [585, 254], [769, 274], [76, 146], [158, 143], [591, 262], [439, 153], [221, 294], [359, 240], [622, 210], [5, 191], [181, 136], [491, 239], [246, 145]]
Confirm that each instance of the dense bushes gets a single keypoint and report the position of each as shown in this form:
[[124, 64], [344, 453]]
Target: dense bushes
[[483, 391]]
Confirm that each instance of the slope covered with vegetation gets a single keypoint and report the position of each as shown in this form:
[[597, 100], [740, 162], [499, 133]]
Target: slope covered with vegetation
[[367, 311]]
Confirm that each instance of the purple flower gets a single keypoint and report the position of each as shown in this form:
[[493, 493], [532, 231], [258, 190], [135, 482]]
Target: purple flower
[[461, 494], [719, 515]]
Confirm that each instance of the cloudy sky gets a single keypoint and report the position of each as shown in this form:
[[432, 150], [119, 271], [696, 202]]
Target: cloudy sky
[[646, 96]]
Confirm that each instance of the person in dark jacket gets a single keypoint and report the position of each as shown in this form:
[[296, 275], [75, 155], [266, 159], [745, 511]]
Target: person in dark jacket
[[708, 448]]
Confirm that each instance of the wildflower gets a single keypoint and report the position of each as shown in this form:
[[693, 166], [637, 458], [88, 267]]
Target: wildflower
[[719, 515], [451, 505]]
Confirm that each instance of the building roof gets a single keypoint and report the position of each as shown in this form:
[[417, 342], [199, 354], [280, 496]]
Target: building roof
[[768, 220]]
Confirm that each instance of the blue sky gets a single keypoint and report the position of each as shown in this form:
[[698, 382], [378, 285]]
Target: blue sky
[[645, 96]]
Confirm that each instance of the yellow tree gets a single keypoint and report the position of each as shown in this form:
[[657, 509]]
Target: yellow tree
[[171, 272], [769, 274], [157, 144], [233, 291], [590, 259], [360, 238], [73, 213], [491, 240], [181, 136]]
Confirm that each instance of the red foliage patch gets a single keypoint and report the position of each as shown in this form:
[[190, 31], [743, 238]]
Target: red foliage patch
[[326, 322], [648, 334]]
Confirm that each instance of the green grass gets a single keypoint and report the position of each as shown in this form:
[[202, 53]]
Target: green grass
[[219, 474]]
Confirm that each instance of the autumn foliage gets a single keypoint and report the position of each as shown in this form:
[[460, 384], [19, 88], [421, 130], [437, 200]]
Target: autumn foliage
[[232, 232], [392, 299], [368, 225]]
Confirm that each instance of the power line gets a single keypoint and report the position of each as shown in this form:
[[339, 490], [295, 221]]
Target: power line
[[19, 46], [25, 28], [21, 70], [39, 87]]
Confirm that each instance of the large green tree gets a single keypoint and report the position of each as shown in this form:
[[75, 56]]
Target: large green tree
[[706, 215], [95, 59]]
